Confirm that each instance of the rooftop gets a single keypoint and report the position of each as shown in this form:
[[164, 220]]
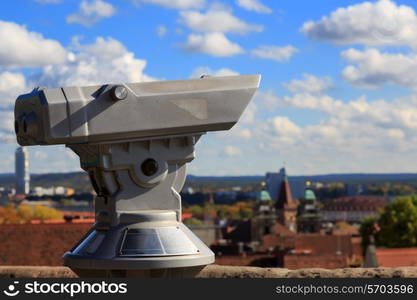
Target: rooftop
[[394, 257], [356, 203]]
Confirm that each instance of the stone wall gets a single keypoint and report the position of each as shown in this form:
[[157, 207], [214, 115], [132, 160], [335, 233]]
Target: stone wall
[[217, 271]]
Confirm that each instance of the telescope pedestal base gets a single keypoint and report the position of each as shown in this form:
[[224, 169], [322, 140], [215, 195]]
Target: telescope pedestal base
[[146, 244]]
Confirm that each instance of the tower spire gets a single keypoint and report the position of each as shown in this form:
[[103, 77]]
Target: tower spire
[[285, 205]]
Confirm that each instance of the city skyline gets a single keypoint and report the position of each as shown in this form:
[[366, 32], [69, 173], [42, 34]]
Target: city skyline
[[337, 95]]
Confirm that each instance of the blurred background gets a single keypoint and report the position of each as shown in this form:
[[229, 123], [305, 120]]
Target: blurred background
[[320, 170]]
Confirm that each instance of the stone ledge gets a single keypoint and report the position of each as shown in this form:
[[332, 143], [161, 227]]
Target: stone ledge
[[219, 271]]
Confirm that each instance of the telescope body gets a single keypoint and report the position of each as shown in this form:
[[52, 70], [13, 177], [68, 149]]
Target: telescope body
[[91, 114], [134, 140]]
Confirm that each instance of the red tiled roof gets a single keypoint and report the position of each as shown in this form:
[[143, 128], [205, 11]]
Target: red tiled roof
[[397, 257], [356, 203], [317, 243], [328, 261], [325, 244], [345, 231], [38, 244], [276, 241], [282, 230]]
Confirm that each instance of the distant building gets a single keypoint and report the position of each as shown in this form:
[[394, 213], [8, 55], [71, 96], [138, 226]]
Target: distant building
[[273, 184], [52, 191], [352, 209], [265, 214], [285, 206], [308, 219], [22, 176], [354, 189]]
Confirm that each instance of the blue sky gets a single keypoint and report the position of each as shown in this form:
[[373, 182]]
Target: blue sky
[[339, 78]]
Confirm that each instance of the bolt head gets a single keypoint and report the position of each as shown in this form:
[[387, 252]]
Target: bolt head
[[119, 92]]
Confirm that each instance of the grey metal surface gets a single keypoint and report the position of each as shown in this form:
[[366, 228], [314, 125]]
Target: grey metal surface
[[134, 140], [107, 254], [161, 241], [94, 113]]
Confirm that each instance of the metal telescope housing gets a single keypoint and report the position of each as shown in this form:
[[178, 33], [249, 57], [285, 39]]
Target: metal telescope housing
[[134, 140]]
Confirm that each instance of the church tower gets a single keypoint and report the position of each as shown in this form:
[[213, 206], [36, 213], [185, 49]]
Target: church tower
[[285, 206]]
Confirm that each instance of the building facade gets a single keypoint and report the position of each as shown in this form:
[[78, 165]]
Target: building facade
[[308, 219], [22, 176], [352, 209], [285, 206]]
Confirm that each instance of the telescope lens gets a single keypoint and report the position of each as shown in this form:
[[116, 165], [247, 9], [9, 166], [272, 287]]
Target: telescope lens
[[149, 167]]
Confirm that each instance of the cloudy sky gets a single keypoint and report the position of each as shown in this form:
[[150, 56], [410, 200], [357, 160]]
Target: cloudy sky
[[339, 78]]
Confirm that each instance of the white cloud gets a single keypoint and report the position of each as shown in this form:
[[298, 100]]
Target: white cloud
[[176, 4], [373, 69], [91, 12], [198, 72], [243, 133], [11, 140], [254, 5], [309, 84], [11, 85], [284, 127], [279, 54], [215, 44], [370, 23], [319, 102], [161, 31], [353, 136], [231, 151], [22, 48], [7, 125], [357, 118], [105, 61], [248, 116], [217, 19]]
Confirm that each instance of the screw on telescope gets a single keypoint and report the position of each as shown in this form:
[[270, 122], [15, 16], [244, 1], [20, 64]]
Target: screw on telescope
[[118, 92], [149, 167]]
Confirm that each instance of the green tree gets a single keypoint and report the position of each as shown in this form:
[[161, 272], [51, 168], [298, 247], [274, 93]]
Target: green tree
[[41, 212], [25, 212], [396, 226], [221, 211], [193, 221], [398, 223], [196, 211]]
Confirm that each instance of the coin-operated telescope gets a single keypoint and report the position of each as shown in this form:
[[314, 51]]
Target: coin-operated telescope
[[134, 140]]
